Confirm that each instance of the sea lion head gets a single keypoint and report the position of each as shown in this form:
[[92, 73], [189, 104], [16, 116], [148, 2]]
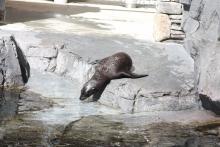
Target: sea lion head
[[89, 88]]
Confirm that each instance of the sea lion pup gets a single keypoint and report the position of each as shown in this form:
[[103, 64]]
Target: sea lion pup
[[113, 67]]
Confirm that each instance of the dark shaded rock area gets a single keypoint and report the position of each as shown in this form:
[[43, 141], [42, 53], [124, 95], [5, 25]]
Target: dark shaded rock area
[[21, 133], [15, 102], [94, 131], [8, 104], [202, 26], [14, 68], [99, 131], [30, 101]]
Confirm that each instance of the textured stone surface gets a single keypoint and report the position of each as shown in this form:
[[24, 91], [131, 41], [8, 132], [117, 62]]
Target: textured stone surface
[[185, 2], [176, 27], [29, 101], [104, 132], [177, 21], [169, 64], [164, 129], [14, 68], [71, 65], [179, 17], [8, 104], [203, 44], [41, 52], [91, 36], [172, 66], [176, 32], [41, 64], [2, 10], [190, 25], [162, 26], [178, 36], [42, 58], [169, 7]]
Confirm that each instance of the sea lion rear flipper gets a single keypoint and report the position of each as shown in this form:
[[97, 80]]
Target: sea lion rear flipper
[[131, 75]]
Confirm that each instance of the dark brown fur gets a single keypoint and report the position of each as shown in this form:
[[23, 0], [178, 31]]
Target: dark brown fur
[[116, 66]]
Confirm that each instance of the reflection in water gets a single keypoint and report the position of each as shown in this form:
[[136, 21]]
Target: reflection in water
[[8, 104]]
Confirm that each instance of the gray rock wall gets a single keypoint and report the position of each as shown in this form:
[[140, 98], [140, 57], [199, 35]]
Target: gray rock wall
[[14, 67], [202, 26]]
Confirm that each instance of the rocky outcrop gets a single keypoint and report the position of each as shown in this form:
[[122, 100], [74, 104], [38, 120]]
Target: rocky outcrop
[[203, 42], [168, 88], [14, 67]]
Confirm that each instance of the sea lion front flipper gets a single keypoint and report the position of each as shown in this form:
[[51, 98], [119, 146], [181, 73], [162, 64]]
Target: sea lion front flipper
[[98, 94], [131, 75]]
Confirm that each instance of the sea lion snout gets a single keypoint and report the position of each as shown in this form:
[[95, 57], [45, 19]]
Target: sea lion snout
[[87, 90], [82, 97]]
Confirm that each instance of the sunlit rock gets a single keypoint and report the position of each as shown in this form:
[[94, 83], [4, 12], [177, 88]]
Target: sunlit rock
[[14, 67], [203, 44]]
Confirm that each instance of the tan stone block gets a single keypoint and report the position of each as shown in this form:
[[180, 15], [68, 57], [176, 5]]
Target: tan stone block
[[161, 27]]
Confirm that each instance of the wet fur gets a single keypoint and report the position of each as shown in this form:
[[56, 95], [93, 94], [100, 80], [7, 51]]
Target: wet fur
[[113, 67]]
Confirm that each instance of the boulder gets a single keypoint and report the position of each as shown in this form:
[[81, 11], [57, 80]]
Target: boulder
[[169, 7], [162, 26], [203, 43], [42, 58], [14, 67], [168, 87], [71, 65]]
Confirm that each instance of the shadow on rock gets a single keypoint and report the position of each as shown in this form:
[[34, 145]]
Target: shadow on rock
[[24, 65], [8, 104]]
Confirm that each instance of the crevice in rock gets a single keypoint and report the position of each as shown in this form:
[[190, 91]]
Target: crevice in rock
[[3, 77], [208, 104], [24, 65], [135, 99]]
